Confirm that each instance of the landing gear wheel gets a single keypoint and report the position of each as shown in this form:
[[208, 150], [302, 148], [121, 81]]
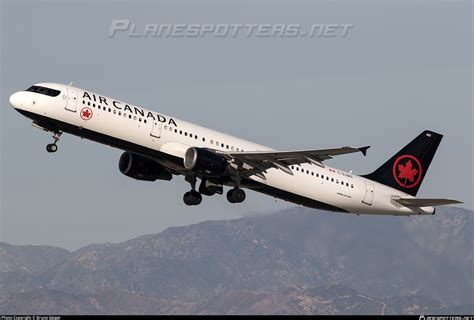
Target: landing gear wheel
[[229, 196], [192, 198], [52, 147], [235, 195]]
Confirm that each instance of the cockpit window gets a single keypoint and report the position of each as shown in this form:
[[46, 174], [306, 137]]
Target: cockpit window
[[43, 90]]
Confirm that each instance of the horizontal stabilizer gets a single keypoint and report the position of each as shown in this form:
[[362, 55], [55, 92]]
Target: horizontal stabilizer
[[419, 202]]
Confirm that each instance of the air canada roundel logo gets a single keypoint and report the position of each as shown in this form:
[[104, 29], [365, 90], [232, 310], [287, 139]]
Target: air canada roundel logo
[[86, 113], [407, 171]]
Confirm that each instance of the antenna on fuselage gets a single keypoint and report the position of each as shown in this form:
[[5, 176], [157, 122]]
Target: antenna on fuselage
[[71, 83]]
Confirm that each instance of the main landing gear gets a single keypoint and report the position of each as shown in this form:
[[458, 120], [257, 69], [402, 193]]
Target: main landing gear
[[235, 195], [192, 198], [53, 147]]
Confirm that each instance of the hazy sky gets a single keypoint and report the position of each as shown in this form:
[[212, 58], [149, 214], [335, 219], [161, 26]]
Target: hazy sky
[[403, 67]]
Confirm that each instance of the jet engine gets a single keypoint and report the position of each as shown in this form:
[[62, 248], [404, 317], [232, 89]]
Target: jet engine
[[205, 162], [141, 168]]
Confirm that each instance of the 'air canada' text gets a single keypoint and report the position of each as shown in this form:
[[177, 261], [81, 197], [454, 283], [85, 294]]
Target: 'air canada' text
[[132, 109]]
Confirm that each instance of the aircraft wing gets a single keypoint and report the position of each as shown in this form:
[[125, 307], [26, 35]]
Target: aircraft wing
[[420, 202], [258, 162]]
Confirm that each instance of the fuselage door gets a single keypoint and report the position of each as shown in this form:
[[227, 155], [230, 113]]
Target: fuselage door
[[71, 102], [369, 193], [156, 129]]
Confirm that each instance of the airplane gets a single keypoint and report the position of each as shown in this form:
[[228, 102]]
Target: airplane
[[157, 147]]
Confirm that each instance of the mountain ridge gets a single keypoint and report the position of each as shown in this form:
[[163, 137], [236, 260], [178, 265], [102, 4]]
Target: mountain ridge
[[426, 261]]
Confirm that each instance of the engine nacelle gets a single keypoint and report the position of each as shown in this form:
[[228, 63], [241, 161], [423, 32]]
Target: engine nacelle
[[205, 162], [138, 167]]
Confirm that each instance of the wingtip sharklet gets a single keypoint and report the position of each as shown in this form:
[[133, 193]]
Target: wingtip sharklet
[[364, 150]]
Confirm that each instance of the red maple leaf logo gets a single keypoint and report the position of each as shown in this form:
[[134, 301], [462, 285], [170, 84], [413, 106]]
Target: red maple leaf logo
[[86, 113], [407, 172]]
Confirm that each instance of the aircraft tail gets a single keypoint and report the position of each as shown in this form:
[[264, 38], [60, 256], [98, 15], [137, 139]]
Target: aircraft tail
[[405, 170]]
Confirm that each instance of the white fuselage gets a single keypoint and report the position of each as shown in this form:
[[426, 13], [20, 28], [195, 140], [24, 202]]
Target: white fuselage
[[171, 136]]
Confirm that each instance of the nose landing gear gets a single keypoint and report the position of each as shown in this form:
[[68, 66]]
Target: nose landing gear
[[53, 147]]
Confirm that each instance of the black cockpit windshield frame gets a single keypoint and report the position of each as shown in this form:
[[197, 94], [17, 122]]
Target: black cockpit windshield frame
[[44, 90]]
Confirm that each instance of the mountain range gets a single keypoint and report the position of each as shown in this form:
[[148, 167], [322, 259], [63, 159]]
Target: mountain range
[[297, 261]]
